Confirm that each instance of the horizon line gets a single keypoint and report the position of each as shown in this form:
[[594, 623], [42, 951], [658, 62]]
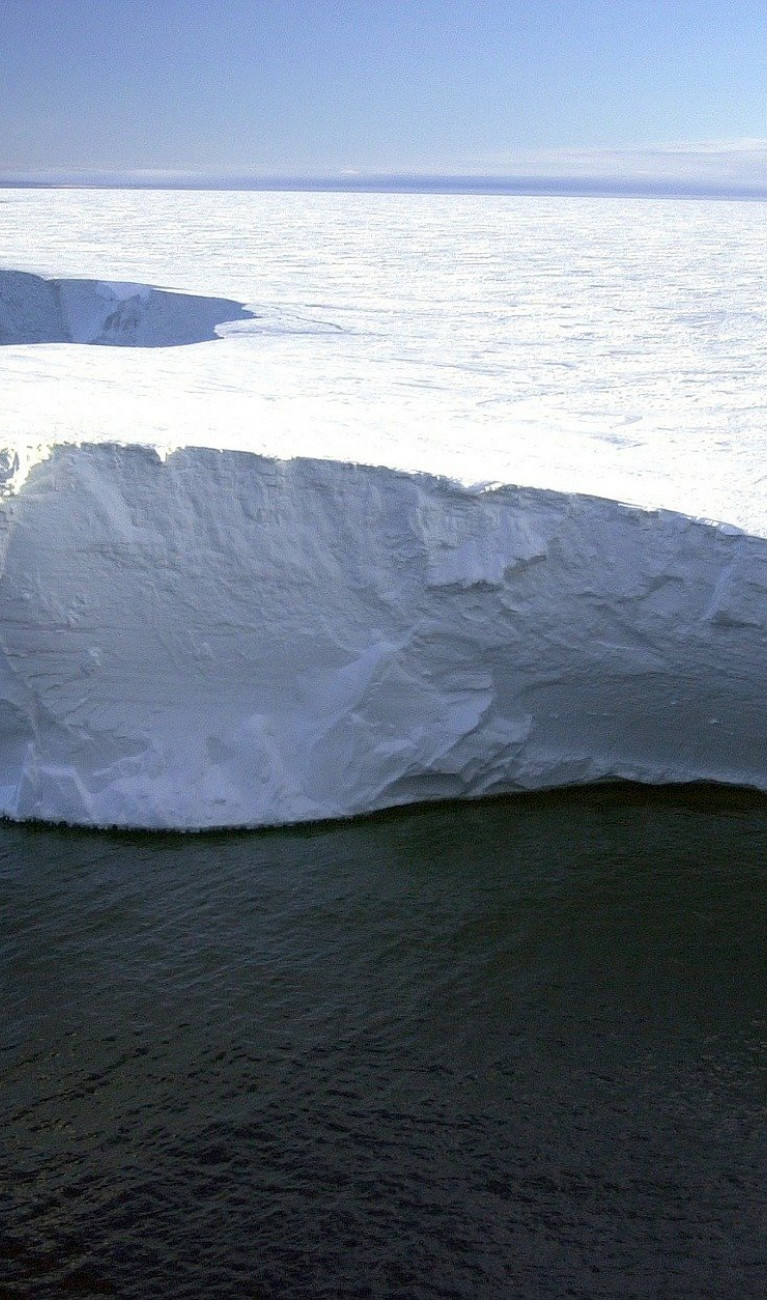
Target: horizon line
[[385, 182]]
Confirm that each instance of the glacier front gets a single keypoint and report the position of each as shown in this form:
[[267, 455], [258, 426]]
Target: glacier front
[[214, 638]]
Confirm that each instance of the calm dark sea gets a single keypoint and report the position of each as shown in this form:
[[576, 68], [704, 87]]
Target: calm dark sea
[[515, 1048]]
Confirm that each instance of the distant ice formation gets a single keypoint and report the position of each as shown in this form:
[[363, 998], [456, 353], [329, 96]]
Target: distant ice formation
[[109, 314], [222, 639]]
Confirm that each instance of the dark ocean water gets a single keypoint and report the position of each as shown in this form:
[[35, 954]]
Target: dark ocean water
[[515, 1048]]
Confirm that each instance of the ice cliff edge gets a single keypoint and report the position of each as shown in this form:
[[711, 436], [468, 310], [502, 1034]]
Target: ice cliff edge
[[107, 314], [220, 639]]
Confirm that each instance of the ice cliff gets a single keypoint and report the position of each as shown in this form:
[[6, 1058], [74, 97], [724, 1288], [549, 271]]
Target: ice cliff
[[110, 314], [214, 638]]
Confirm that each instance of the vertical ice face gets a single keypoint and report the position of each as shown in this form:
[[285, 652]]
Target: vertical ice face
[[225, 639], [30, 310], [107, 313]]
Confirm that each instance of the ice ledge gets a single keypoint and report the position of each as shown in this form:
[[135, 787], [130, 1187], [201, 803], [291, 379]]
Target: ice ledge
[[221, 639], [107, 313]]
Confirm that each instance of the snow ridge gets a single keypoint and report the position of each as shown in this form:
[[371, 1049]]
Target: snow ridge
[[223, 639]]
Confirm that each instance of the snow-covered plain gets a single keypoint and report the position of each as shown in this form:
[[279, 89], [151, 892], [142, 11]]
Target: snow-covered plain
[[194, 637]]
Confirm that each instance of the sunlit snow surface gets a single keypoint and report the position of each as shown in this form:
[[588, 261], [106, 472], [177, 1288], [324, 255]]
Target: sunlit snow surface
[[610, 346]]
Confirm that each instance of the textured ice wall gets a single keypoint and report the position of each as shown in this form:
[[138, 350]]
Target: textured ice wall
[[221, 639], [36, 310]]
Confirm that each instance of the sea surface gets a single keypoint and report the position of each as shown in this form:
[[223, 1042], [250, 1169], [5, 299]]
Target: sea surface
[[504, 1049]]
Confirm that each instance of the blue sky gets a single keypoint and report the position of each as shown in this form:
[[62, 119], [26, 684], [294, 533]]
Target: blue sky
[[323, 87]]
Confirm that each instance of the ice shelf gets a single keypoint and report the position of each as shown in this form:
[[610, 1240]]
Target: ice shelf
[[444, 496]]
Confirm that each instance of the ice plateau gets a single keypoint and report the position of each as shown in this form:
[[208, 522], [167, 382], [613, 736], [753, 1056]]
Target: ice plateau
[[363, 550]]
